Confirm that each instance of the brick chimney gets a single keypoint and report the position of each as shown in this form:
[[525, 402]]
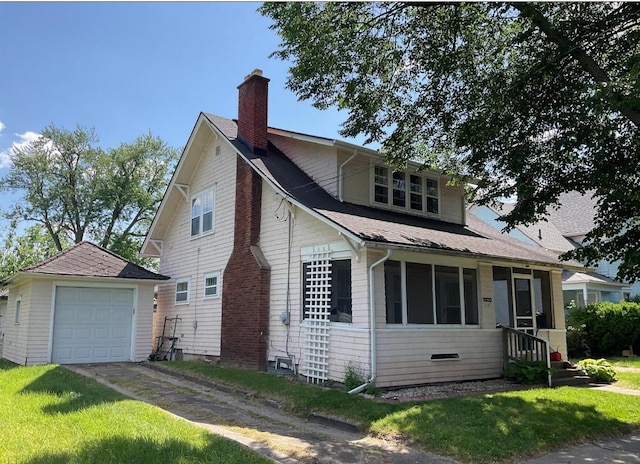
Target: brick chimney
[[246, 280], [252, 112]]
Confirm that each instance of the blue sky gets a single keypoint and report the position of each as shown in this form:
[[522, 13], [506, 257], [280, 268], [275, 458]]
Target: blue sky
[[129, 68]]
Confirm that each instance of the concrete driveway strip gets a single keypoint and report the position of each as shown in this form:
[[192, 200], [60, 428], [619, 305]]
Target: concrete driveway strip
[[624, 450], [281, 437]]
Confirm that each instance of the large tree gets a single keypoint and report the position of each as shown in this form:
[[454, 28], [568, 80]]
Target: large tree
[[529, 99], [24, 249], [78, 191]]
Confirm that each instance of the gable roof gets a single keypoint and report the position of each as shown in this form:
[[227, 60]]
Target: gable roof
[[375, 227], [544, 233], [86, 259]]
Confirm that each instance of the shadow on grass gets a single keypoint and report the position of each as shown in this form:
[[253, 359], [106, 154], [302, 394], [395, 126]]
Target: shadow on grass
[[75, 391], [494, 428], [118, 450], [7, 365]]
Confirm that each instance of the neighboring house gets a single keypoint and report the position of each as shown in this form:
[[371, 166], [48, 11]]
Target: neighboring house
[[564, 229], [82, 305], [288, 246], [4, 295]]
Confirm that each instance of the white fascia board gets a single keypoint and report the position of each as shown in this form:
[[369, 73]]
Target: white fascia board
[[172, 183], [284, 194]]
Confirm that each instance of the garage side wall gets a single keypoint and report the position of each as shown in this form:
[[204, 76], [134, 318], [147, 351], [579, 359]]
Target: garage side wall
[[16, 333], [143, 323]]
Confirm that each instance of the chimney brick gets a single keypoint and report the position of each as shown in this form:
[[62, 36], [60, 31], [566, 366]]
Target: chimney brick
[[252, 111]]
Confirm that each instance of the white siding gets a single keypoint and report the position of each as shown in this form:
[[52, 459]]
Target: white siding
[[347, 342], [404, 355], [40, 308], [356, 178], [143, 322], [318, 161], [17, 335], [199, 327], [3, 319]]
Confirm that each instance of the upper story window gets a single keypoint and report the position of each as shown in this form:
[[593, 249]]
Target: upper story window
[[202, 212], [406, 191]]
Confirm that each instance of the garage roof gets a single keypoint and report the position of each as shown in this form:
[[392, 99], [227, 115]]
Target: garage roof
[[86, 259]]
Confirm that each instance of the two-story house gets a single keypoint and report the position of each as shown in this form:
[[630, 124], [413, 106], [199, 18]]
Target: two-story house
[[285, 245]]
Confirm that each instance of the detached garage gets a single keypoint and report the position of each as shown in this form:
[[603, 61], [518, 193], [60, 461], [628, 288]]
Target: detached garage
[[83, 305]]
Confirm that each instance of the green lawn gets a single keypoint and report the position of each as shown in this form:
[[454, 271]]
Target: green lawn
[[485, 428], [50, 415], [627, 379]]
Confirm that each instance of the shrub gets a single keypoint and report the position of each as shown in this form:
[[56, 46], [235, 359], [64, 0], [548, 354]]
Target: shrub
[[600, 370], [527, 372], [354, 376], [603, 329]]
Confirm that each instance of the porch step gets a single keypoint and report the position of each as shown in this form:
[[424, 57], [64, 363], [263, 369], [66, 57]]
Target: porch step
[[564, 374]]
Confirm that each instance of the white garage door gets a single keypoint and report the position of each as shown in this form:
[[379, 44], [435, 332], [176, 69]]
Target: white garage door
[[92, 325]]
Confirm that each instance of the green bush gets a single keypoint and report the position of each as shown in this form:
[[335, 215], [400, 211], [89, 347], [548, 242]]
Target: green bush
[[354, 376], [527, 372], [600, 370], [603, 329]]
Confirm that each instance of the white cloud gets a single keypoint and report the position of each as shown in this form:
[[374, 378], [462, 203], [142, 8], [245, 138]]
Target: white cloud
[[23, 139], [2, 126]]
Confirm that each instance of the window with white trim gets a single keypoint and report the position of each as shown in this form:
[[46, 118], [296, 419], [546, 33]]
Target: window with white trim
[[202, 212], [17, 314], [418, 293], [182, 291], [211, 285], [411, 192], [339, 286]]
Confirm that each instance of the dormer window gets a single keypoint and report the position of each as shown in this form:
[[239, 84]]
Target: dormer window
[[405, 191]]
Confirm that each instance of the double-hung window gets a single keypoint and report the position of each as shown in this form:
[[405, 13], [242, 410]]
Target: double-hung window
[[338, 298], [212, 285], [182, 291], [406, 191], [202, 212]]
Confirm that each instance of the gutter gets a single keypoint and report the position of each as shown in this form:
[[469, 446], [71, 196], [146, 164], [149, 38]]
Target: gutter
[[372, 326]]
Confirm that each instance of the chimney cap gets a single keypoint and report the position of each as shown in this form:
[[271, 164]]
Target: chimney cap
[[255, 72]]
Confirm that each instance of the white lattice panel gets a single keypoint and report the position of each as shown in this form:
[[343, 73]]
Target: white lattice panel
[[317, 308]]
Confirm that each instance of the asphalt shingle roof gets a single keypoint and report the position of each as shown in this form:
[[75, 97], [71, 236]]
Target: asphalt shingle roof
[[378, 226], [86, 259]]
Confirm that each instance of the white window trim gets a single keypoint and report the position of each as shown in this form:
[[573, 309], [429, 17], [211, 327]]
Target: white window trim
[[200, 195], [218, 276], [407, 208], [18, 311], [180, 281], [435, 324]]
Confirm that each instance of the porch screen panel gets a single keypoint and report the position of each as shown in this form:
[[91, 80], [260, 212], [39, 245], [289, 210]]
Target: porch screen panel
[[419, 294], [317, 312], [393, 291]]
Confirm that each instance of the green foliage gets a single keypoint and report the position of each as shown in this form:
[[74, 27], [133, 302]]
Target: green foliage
[[527, 372], [77, 191], [19, 252], [603, 329], [600, 370], [532, 99], [467, 429], [78, 420], [354, 376]]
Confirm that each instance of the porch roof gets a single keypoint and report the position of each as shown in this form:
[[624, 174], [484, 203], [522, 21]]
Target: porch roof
[[380, 228]]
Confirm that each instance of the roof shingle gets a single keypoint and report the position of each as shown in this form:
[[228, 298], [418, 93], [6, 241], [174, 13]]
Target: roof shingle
[[86, 259]]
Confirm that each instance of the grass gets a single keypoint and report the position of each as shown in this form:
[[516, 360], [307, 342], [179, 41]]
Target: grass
[[50, 415], [484, 428], [625, 362], [627, 379]]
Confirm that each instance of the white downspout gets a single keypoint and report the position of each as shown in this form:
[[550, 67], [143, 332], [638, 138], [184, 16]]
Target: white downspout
[[355, 153], [372, 326]]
